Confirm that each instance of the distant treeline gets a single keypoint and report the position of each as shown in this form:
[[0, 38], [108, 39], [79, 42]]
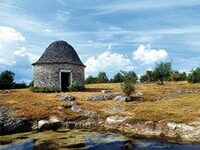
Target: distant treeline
[[162, 72]]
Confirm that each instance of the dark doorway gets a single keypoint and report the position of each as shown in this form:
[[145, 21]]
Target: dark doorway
[[65, 81]]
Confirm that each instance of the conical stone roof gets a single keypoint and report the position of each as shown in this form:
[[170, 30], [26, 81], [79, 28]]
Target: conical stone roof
[[59, 52]]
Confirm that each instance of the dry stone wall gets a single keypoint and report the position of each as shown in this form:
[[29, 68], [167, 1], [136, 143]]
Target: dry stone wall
[[47, 75]]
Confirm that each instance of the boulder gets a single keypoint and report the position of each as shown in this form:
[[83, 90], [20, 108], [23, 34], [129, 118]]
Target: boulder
[[52, 124], [67, 97], [15, 125], [115, 119], [100, 97], [121, 98]]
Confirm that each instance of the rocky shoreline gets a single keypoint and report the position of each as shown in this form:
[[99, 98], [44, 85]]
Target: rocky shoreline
[[176, 132]]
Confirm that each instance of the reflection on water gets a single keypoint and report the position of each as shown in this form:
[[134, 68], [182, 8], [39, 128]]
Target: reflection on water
[[159, 145], [27, 145], [110, 141]]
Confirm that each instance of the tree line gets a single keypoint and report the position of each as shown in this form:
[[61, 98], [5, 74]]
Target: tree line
[[162, 72]]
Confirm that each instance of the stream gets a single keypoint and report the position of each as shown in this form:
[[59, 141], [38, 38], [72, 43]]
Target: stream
[[89, 140]]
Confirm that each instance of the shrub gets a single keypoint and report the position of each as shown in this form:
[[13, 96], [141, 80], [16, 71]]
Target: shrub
[[45, 89], [73, 87], [7, 80], [128, 88], [130, 79], [91, 80], [194, 76]]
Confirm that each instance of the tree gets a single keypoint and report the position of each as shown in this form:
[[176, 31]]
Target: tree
[[194, 76], [130, 79], [162, 71], [7, 79], [102, 77], [129, 76], [118, 78], [91, 80]]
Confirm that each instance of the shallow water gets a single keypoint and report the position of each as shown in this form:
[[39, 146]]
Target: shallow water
[[101, 141]]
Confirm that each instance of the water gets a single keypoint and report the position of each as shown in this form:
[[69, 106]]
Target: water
[[110, 141]]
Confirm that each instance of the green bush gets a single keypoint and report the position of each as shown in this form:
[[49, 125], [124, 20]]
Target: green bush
[[130, 78], [194, 76], [73, 87], [128, 88], [45, 89]]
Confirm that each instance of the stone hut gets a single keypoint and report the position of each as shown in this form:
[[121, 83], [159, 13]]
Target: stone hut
[[58, 67]]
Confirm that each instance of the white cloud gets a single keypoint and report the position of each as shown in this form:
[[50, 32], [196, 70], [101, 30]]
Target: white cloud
[[147, 55], [23, 52], [109, 62], [9, 34]]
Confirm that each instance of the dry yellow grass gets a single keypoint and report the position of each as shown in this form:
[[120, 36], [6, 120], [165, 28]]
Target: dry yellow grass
[[179, 102]]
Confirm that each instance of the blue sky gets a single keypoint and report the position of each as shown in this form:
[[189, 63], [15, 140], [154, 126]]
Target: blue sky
[[108, 35]]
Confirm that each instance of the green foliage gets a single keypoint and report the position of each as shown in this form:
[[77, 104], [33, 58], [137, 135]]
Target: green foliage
[[102, 77], [7, 80], [144, 78], [162, 71], [176, 76], [130, 79], [73, 87], [148, 77], [129, 76], [118, 78], [128, 88], [91, 80], [194, 76], [45, 89]]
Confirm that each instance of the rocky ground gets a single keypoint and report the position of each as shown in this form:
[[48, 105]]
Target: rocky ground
[[173, 115]]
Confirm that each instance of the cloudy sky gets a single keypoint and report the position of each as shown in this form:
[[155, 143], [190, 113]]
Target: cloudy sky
[[109, 35]]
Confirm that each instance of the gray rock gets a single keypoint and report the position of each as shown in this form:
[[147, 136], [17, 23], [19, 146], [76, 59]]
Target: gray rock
[[67, 97], [100, 97], [115, 119], [122, 98], [76, 109], [52, 124], [15, 126]]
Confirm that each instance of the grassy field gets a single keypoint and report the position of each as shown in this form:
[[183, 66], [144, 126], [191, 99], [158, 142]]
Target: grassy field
[[174, 101]]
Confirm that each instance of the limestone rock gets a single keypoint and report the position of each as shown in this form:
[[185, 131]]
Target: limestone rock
[[67, 97], [115, 119], [121, 98], [52, 124]]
